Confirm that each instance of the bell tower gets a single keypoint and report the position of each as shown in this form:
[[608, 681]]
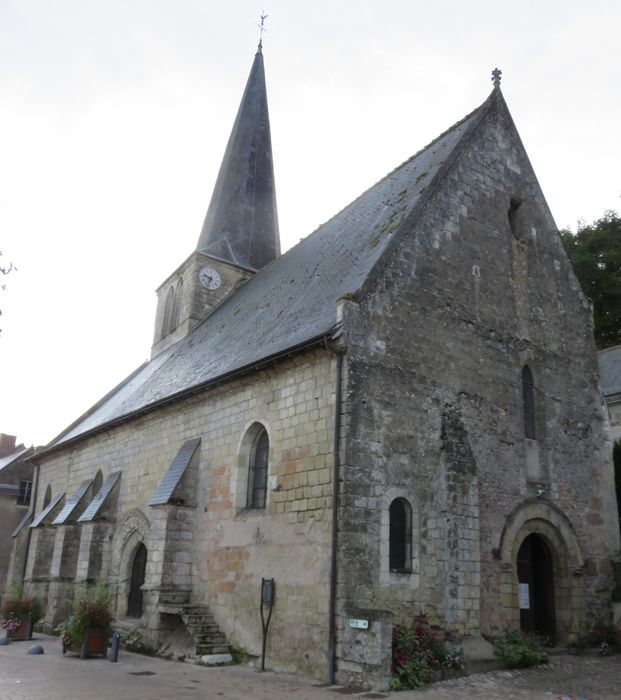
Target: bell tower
[[240, 232]]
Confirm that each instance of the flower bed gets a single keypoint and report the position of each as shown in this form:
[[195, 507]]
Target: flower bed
[[419, 656]]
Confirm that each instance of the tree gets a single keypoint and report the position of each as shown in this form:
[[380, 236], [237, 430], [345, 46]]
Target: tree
[[595, 253]]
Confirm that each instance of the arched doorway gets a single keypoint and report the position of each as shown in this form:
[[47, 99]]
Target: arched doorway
[[139, 565], [536, 588]]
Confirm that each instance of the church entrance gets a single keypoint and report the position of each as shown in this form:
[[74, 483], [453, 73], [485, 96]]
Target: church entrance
[[139, 565], [536, 588]]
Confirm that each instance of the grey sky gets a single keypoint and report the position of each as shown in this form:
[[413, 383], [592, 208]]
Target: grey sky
[[114, 117]]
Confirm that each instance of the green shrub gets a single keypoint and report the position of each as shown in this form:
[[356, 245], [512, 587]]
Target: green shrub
[[417, 652], [16, 610], [606, 637], [87, 613], [518, 650]]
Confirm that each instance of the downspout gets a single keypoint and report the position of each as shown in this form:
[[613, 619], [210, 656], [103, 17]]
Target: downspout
[[335, 505]]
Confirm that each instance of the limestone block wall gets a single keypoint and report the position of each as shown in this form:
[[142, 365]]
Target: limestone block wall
[[194, 301], [436, 347], [218, 548]]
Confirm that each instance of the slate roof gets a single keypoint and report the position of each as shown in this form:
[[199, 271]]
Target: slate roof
[[47, 510], [22, 524], [165, 489], [610, 370], [14, 456], [241, 225], [72, 503], [288, 303], [100, 498]]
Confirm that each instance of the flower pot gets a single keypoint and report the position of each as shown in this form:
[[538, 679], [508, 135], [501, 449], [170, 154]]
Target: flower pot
[[95, 643], [23, 632]]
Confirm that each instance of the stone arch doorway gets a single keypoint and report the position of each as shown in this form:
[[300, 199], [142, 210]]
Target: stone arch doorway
[[556, 547], [131, 531], [535, 572], [137, 576]]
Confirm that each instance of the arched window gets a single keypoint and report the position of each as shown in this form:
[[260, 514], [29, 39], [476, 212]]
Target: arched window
[[528, 403], [97, 483], [178, 300], [257, 471], [168, 321], [48, 496], [400, 536]]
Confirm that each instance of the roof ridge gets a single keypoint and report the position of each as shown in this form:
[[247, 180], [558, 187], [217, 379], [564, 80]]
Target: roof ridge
[[476, 116], [391, 172]]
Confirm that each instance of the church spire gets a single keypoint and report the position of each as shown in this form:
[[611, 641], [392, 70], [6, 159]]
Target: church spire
[[241, 225]]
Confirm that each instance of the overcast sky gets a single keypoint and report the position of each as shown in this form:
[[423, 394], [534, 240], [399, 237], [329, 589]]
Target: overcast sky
[[114, 115]]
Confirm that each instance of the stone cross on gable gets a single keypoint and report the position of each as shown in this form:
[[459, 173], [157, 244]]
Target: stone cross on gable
[[496, 74]]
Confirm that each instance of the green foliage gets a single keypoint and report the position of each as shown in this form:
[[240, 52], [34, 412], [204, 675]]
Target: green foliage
[[418, 652], [15, 610], [87, 613], [595, 253], [605, 637], [517, 650], [240, 655]]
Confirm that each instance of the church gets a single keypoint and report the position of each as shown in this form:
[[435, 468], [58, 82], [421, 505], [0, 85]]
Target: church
[[399, 414]]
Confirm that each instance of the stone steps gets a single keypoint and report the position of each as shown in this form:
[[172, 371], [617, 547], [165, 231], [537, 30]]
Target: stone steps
[[204, 630]]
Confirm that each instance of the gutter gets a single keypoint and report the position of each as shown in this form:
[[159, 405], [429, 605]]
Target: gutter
[[320, 340], [335, 507]]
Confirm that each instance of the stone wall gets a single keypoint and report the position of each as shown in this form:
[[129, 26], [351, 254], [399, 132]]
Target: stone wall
[[436, 346], [213, 547]]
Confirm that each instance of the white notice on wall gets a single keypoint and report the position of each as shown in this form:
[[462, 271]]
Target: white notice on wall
[[359, 624], [524, 596]]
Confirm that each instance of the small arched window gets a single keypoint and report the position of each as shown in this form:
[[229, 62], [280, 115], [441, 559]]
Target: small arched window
[[178, 299], [257, 471], [528, 403], [48, 496], [400, 536], [97, 483], [169, 310]]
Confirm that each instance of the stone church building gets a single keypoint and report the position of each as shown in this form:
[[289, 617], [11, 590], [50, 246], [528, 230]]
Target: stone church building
[[401, 413]]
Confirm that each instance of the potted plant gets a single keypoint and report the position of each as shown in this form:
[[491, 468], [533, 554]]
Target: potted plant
[[87, 630], [19, 615]]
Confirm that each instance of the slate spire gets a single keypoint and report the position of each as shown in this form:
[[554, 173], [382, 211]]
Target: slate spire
[[241, 225]]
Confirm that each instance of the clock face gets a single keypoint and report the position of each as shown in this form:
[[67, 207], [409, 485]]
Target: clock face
[[209, 278]]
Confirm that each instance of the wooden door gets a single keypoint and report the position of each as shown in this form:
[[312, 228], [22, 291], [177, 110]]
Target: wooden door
[[536, 581], [139, 565]]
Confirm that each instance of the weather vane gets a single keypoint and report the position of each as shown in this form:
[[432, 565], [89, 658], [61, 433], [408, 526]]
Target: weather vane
[[496, 74], [262, 29]]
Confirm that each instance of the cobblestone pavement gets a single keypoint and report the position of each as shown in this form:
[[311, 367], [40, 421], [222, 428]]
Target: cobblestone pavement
[[53, 676]]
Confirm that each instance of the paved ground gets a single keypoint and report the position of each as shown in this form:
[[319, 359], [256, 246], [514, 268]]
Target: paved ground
[[57, 677]]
